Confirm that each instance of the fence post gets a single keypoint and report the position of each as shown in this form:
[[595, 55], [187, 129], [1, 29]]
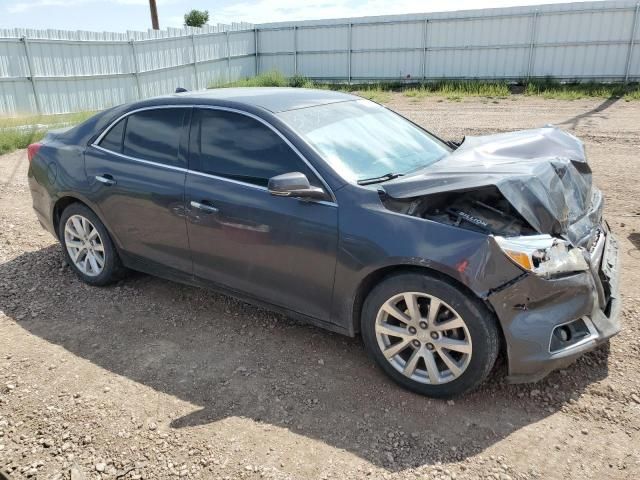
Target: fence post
[[194, 53], [631, 43], [295, 50], [255, 37], [424, 51], [136, 70], [27, 52], [349, 55], [228, 58], [532, 42]]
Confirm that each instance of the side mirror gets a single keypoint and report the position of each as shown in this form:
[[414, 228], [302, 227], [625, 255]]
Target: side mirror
[[294, 184]]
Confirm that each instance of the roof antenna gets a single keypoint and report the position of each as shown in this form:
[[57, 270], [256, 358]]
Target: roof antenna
[[181, 90]]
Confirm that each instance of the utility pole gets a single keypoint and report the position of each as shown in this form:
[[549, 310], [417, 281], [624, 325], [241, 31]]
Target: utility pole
[[154, 15]]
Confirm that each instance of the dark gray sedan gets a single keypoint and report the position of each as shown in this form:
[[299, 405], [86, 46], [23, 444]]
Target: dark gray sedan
[[340, 212]]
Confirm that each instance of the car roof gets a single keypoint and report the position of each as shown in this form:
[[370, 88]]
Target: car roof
[[274, 99]]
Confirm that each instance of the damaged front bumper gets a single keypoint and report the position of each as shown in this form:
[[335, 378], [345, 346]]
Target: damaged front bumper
[[549, 323]]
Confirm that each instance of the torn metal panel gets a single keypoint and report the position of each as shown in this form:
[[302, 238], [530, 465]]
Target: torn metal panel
[[533, 307], [542, 173]]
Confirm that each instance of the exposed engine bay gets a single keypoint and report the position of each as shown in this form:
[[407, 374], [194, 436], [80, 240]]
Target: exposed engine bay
[[484, 210], [509, 184]]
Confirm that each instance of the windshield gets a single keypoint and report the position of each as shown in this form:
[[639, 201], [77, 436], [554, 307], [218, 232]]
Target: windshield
[[362, 140]]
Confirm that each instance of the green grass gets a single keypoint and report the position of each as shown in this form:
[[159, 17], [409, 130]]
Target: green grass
[[380, 91], [633, 94], [11, 140], [456, 90], [453, 90], [574, 91], [19, 132], [376, 92], [272, 78]]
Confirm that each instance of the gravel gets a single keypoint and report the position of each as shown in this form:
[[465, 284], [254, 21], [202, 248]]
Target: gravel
[[149, 379]]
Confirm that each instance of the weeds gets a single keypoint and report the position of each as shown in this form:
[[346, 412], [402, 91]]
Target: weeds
[[453, 90], [549, 88], [456, 90], [272, 78], [19, 132], [13, 139]]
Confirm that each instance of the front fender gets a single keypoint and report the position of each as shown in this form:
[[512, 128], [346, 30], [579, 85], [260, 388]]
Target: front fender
[[373, 238]]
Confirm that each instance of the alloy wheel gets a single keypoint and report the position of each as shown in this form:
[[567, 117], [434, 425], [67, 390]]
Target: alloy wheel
[[423, 338], [84, 245]]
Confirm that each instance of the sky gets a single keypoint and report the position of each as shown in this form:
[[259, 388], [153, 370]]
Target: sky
[[122, 15]]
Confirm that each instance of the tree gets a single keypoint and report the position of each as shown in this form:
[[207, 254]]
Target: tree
[[196, 18]]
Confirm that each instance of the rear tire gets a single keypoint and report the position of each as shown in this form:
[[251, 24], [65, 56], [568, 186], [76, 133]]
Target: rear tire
[[428, 335], [87, 246]]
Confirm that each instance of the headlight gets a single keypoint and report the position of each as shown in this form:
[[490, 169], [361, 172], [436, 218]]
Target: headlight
[[543, 255]]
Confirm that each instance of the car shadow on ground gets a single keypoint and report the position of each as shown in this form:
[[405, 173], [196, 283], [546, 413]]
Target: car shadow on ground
[[634, 238], [235, 360], [574, 122]]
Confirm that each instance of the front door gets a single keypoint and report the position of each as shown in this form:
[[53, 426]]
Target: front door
[[277, 249], [138, 171]]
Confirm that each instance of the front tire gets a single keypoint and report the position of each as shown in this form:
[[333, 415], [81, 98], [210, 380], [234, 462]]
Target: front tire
[[87, 246], [428, 335]]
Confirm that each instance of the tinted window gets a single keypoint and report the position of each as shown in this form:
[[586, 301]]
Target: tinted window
[[113, 140], [155, 135], [238, 147]]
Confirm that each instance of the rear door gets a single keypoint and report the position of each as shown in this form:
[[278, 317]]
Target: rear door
[[277, 249], [137, 171]]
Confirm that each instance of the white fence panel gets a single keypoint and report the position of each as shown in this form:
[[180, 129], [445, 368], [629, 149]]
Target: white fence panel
[[242, 43], [272, 41], [163, 82], [59, 71], [325, 38], [78, 58], [387, 36], [594, 61], [282, 62], [590, 26], [17, 96], [386, 65], [324, 65], [507, 63], [73, 95], [479, 32], [13, 61]]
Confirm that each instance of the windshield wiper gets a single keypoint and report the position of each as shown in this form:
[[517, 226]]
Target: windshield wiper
[[382, 178]]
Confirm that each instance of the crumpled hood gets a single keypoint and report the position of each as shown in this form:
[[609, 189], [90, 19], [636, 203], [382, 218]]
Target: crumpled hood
[[543, 173]]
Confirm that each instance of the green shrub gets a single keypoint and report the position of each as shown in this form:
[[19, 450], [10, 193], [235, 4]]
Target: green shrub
[[298, 81]]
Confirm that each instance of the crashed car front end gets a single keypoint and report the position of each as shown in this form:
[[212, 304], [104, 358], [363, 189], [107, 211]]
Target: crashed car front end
[[531, 193], [549, 321]]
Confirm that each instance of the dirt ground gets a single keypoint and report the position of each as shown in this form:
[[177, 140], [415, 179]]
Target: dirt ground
[[151, 379]]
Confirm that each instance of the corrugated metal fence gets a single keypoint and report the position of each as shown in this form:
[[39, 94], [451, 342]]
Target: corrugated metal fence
[[52, 71]]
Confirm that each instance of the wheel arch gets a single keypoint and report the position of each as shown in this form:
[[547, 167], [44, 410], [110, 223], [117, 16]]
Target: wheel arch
[[68, 199], [60, 205], [372, 279]]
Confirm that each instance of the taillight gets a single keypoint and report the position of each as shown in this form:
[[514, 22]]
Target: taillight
[[32, 150]]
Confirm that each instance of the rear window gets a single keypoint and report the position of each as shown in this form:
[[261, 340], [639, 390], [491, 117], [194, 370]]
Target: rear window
[[113, 139], [155, 135], [152, 135]]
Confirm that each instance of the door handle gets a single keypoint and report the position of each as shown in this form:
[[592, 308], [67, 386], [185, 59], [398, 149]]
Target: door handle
[[204, 207], [106, 180]]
